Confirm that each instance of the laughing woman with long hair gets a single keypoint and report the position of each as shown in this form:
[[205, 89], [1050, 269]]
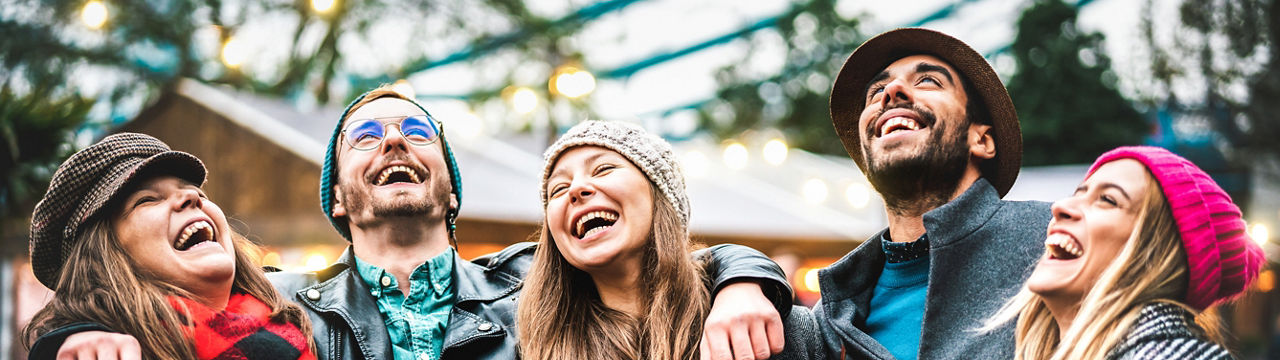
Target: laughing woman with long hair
[[612, 277], [128, 243], [1145, 244]]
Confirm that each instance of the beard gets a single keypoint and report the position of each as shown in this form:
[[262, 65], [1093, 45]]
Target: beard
[[359, 200], [916, 183]]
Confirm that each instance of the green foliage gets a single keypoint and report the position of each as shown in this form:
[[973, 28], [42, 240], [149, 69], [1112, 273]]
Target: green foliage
[[1222, 46], [817, 40], [34, 130], [1064, 92]]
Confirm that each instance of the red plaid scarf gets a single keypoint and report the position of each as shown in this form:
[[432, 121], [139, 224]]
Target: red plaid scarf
[[242, 331]]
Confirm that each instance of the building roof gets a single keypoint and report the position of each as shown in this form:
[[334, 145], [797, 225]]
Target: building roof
[[501, 174]]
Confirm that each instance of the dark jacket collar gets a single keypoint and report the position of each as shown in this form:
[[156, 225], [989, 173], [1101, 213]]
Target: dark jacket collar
[[847, 284], [340, 291], [976, 206]]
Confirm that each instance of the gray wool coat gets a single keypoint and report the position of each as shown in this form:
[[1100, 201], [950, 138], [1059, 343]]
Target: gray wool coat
[[981, 249]]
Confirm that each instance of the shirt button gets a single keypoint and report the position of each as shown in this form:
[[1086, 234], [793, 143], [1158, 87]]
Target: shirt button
[[485, 326], [313, 294], [424, 357], [386, 281]]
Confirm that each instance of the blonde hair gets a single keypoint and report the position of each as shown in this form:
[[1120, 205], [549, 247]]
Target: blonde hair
[[561, 316], [100, 284], [1151, 268]]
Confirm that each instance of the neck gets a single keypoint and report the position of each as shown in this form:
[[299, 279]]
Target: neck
[[215, 297], [619, 289], [906, 217], [399, 247], [1063, 312]]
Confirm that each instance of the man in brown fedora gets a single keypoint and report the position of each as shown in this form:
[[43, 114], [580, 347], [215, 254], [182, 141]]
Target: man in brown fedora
[[930, 124]]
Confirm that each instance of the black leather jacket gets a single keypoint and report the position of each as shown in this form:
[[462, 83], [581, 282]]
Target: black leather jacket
[[347, 325], [346, 322]]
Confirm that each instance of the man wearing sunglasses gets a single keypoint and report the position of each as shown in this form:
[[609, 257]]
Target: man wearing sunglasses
[[390, 186]]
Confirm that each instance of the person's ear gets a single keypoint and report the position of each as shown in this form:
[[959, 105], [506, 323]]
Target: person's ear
[[981, 143], [338, 209]]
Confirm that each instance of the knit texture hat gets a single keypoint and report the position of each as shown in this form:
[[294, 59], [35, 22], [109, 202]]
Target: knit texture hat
[[650, 153], [87, 182], [1221, 259], [329, 175]]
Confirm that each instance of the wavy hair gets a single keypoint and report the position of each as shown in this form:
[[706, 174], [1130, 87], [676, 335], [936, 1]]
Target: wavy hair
[[1151, 268], [100, 284], [561, 316]]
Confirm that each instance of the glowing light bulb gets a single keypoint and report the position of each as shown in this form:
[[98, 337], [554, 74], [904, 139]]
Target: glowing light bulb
[[94, 14], [735, 156], [233, 53], [814, 191], [775, 152], [524, 100], [323, 6]]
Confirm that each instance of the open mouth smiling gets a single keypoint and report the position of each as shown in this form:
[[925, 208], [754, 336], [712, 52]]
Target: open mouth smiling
[[898, 119], [193, 234], [1063, 247], [397, 174], [593, 222]]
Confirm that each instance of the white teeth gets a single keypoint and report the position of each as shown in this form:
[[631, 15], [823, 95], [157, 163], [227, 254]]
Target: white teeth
[[192, 230], [1065, 243], [386, 173], [898, 122], [582, 221]]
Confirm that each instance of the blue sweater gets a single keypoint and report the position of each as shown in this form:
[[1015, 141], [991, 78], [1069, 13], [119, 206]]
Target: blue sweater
[[897, 307]]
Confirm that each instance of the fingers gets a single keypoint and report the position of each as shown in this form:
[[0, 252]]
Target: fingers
[[104, 353], [704, 353], [775, 335], [718, 343], [100, 345], [760, 347], [130, 350], [740, 338]]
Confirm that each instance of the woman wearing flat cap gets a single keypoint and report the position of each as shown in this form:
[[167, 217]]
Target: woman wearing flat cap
[[1146, 243], [129, 243]]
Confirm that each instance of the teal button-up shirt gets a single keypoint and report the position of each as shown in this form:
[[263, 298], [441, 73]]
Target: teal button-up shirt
[[416, 322]]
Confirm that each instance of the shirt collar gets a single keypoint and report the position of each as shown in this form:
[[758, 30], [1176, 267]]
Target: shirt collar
[[437, 272], [896, 252]]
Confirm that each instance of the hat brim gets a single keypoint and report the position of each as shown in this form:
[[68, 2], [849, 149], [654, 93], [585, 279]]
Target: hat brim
[[176, 163], [846, 102]]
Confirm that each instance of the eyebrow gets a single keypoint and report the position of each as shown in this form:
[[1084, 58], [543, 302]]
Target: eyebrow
[[922, 67], [879, 77], [1107, 185], [927, 67], [560, 171]]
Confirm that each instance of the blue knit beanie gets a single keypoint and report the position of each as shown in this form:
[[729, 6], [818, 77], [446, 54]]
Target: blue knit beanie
[[328, 176]]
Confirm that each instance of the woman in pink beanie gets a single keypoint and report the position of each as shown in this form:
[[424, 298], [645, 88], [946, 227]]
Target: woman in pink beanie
[[1145, 243]]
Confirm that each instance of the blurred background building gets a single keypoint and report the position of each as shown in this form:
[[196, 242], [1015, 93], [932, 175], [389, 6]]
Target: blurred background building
[[254, 87]]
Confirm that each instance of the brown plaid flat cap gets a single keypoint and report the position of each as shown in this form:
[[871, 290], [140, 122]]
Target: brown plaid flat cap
[[87, 182]]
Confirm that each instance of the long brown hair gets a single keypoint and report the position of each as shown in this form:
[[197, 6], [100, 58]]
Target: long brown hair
[[1151, 268], [561, 316], [100, 284]]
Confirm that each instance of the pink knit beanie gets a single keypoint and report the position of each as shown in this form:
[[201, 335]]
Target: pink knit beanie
[[1221, 259]]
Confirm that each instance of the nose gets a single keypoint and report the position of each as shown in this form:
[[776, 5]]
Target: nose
[[393, 139], [580, 191], [1065, 209], [895, 91], [188, 199]]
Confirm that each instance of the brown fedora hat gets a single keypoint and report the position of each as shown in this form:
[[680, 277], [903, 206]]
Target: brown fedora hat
[[874, 55]]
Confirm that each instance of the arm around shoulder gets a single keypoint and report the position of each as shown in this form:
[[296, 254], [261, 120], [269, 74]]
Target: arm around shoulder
[[730, 263]]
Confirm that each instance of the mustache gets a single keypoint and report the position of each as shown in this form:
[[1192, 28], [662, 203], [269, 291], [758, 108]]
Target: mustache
[[374, 171], [927, 119]]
